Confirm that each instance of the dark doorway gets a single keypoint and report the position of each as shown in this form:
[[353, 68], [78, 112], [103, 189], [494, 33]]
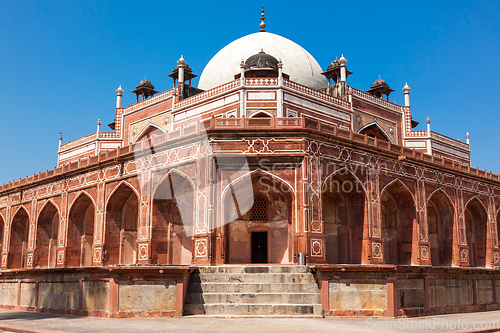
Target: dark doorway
[[259, 247]]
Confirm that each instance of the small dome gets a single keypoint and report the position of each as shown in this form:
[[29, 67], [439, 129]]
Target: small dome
[[334, 64], [261, 60], [379, 82], [145, 83]]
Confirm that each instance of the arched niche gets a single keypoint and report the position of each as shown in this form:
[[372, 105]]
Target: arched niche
[[476, 220], [122, 213], [149, 132], [46, 237], [343, 216], [80, 232], [172, 221], [374, 131], [261, 114], [257, 220], [440, 221], [397, 209], [18, 239]]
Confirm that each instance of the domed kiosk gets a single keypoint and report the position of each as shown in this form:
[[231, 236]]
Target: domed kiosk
[[297, 62]]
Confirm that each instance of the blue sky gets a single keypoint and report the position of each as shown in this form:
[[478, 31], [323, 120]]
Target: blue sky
[[61, 61]]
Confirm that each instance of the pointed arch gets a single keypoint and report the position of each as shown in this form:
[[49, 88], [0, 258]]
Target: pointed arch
[[172, 219], [400, 183], [440, 224], [398, 216], [18, 239], [443, 192], [476, 219], [46, 236], [18, 209], [122, 216], [124, 183], [475, 197], [80, 232], [82, 193], [343, 206], [261, 113], [182, 174], [49, 202], [350, 173], [148, 131], [252, 241], [374, 130], [242, 178]]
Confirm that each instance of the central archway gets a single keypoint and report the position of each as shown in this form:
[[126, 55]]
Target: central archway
[[343, 216], [259, 229], [122, 212], [46, 237]]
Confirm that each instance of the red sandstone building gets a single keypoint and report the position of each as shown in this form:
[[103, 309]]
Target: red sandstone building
[[264, 160]]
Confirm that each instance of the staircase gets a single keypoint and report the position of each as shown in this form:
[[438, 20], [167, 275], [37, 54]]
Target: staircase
[[253, 291]]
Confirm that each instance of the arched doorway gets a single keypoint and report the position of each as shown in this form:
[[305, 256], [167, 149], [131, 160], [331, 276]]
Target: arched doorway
[[374, 131], [397, 215], [476, 219], [257, 229], [122, 212], [343, 216], [80, 232], [46, 237], [172, 222], [440, 221], [18, 239]]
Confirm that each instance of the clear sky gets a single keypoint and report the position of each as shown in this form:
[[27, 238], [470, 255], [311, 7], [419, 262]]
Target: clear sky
[[61, 61]]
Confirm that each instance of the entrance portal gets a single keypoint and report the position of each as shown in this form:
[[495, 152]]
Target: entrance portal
[[259, 247]]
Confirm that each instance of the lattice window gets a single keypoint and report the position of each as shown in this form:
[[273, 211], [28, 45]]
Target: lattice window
[[259, 209]]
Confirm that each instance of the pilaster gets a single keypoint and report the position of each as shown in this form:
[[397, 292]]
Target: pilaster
[[460, 246], [373, 242], [421, 249], [144, 227], [99, 228], [62, 230]]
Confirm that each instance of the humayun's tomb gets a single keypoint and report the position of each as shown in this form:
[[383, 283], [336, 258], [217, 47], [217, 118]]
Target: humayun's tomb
[[208, 200]]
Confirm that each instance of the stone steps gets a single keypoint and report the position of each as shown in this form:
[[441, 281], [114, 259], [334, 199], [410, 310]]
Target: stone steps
[[254, 278], [253, 291], [224, 309], [253, 298], [252, 269], [252, 287]]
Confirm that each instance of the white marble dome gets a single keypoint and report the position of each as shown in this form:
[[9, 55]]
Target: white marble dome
[[297, 62]]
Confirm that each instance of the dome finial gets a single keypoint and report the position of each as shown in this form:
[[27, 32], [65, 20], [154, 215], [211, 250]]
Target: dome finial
[[262, 25]]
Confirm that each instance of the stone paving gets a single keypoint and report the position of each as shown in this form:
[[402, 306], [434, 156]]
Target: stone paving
[[20, 321]]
